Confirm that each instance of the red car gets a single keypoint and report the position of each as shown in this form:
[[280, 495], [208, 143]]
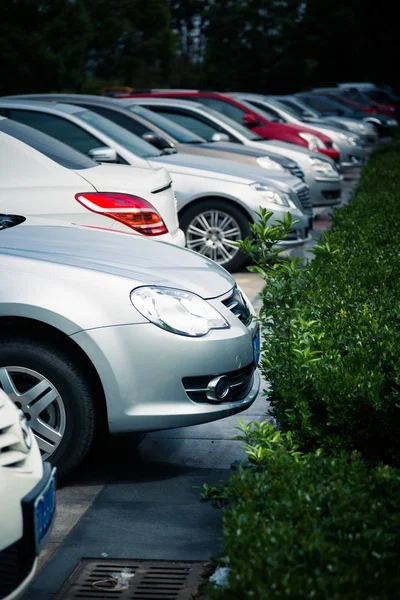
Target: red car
[[247, 115]]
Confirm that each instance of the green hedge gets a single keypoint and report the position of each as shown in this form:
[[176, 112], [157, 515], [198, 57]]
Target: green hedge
[[332, 327], [322, 528], [318, 516]]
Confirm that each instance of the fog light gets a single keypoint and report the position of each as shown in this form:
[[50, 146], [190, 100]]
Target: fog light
[[218, 388]]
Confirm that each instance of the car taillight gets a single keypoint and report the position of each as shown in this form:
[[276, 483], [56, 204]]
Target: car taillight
[[369, 110], [132, 211]]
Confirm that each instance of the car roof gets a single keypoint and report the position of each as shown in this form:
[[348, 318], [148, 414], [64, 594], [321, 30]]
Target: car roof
[[161, 99], [51, 106]]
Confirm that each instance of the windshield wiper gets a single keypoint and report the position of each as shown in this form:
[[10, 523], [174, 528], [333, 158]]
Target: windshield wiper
[[7, 221]]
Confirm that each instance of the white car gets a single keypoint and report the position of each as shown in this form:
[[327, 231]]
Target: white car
[[27, 500], [41, 176]]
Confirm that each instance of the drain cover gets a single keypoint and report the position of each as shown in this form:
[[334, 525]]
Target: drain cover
[[132, 580]]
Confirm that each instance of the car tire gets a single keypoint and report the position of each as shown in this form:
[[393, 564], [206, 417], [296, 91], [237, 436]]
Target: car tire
[[205, 225], [65, 427]]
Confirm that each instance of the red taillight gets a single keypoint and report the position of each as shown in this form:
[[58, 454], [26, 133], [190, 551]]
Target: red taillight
[[132, 211], [369, 110]]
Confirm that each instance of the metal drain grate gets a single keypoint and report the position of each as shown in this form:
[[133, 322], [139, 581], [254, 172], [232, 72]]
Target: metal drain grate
[[132, 580]]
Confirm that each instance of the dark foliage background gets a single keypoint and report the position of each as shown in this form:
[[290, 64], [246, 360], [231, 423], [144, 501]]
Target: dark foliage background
[[250, 45]]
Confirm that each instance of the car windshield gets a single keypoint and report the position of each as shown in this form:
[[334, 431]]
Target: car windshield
[[61, 153], [249, 135], [122, 136], [180, 134], [292, 108]]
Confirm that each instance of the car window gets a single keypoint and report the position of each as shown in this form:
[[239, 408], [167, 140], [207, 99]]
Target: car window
[[247, 133], [122, 136], [320, 104], [58, 127], [234, 112], [119, 118], [179, 133], [50, 147], [267, 112], [193, 123]]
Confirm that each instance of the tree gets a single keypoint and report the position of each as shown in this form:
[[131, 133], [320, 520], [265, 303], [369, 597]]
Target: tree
[[254, 45], [133, 41], [43, 45]]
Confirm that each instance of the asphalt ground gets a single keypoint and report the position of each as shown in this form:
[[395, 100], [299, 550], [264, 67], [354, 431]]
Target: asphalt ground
[[144, 503]]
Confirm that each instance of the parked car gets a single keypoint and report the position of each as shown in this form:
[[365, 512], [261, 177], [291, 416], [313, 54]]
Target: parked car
[[36, 169], [366, 131], [100, 329], [245, 114], [320, 173], [216, 198], [27, 487], [332, 104], [165, 134], [351, 146], [377, 95], [359, 99]]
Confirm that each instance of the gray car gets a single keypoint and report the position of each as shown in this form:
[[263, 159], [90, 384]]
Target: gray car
[[217, 199], [105, 330], [320, 173], [350, 145]]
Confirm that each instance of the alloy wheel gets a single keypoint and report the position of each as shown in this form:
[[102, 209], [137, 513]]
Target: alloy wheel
[[214, 234], [40, 402]]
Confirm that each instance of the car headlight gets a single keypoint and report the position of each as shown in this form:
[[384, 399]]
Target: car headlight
[[274, 196], [353, 140], [177, 311], [267, 163], [312, 140], [323, 168]]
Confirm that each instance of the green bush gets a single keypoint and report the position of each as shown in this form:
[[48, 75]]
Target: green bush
[[315, 527], [331, 349]]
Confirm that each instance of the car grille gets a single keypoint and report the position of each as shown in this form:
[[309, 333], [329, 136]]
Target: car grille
[[15, 565], [240, 381], [296, 171], [11, 454], [332, 194], [303, 195], [237, 305]]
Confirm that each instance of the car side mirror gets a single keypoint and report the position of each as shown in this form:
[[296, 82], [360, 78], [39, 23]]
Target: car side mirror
[[157, 140], [104, 154], [250, 120], [219, 137]]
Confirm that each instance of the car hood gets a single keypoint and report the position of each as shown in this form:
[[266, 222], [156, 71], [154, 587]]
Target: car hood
[[297, 129], [142, 261], [241, 149], [218, 168], [292, 148]]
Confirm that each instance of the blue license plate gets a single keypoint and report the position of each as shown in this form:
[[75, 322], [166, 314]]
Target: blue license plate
[[256, 345], [44, 508]]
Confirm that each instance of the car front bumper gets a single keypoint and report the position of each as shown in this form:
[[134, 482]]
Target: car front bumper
[[142, 369]]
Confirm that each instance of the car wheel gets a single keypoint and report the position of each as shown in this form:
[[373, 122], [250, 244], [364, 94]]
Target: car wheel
[[54, 394], [212, 228]]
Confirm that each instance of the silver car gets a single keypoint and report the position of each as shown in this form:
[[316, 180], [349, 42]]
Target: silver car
[[350, 145], [101, 329], [320, 173], [217, 199]]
